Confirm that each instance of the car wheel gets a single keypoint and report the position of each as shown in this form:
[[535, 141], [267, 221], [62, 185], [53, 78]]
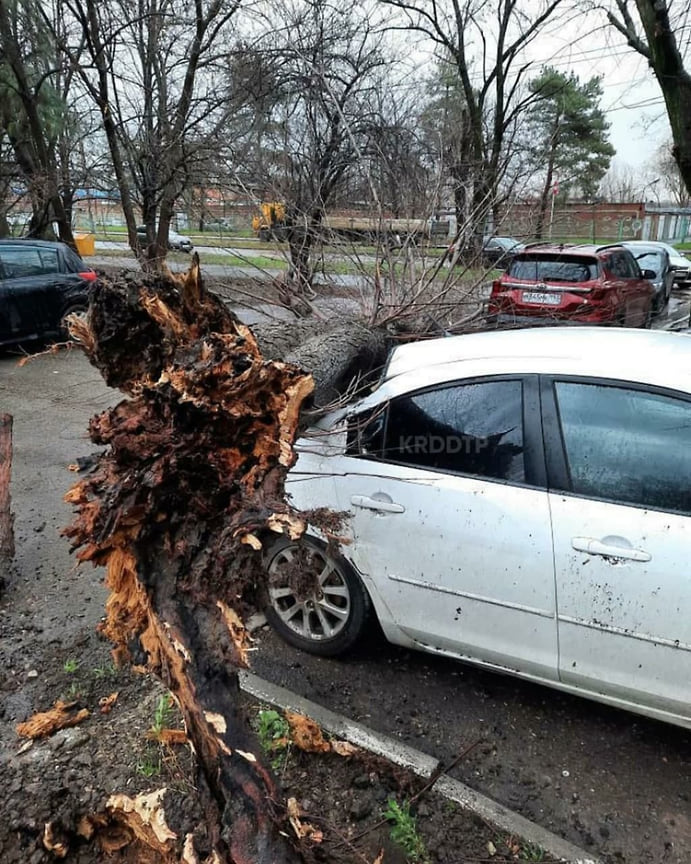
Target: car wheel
[[79, 309], [317, 601]]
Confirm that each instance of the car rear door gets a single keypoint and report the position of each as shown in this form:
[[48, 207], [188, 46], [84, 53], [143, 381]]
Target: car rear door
[[31, 273], [451, 523], [619, 464]]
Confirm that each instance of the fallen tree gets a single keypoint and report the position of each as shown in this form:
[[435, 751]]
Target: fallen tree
[[178, 508]]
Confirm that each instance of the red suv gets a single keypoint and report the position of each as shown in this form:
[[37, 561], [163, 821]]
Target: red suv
[[546, 284]]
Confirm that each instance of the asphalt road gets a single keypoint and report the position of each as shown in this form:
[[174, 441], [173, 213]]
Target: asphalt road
[[609, 781]]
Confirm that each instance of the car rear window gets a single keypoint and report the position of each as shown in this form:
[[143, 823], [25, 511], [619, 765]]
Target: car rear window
[[553, 268], [19, 262], [74, 262]]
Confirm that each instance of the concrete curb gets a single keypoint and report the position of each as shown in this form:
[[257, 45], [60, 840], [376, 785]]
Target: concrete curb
[[419, 763]]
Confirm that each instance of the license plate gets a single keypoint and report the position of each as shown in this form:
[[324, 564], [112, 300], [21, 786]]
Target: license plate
[[544, 298]]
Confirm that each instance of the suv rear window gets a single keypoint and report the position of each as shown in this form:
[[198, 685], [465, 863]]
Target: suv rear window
[[553, 268]]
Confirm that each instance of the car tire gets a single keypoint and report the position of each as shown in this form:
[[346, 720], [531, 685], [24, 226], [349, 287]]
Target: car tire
[[76, 309], [327, 622]]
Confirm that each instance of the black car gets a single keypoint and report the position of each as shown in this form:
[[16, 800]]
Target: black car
[[497, 251], [41, 283]]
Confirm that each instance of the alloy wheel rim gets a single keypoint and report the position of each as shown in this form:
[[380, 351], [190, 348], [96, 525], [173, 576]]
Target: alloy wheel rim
[[323, 614]]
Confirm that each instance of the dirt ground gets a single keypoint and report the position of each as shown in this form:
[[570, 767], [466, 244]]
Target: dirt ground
[[73, 772], [49, 650]]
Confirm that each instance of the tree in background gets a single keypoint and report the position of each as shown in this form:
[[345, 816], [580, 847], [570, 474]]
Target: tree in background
[[150, 72], [485, 44], [446, 126], [663, 47], [35, 82], [666, 167], [567, 132], [621, 183], [321, 116]]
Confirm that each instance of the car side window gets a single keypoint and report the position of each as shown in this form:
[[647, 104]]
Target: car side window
[[630, 265], [474, 428], [32, 261], [627, 446]]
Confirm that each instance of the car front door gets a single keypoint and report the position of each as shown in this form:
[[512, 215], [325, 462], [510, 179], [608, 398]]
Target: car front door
[[619, 463], [7, 322], [451, 522]]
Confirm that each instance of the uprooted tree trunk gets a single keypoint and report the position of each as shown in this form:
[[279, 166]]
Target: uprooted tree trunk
[[178, 507], [6, 520]]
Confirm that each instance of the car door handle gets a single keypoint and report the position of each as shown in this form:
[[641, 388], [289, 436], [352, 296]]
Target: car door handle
[[383, 505], [608, 550]]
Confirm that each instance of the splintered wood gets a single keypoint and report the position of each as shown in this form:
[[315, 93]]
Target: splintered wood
[[61, 716], [178, 507]]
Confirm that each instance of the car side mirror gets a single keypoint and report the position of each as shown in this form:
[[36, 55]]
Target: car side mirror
[[648, 274]]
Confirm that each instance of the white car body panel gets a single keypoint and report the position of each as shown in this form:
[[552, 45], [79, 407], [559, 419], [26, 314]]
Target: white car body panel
[[438, 582], [487, 571], [615, 614]]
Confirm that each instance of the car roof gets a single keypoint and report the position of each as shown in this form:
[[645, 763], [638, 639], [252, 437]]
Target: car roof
[[567, 248], [28, 241], [644, 246], [658, 357], [647, 243]]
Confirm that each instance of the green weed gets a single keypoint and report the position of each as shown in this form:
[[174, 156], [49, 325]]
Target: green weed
[[162, 715], [108, 671], [273, 732], [149, 765], [71, 666], [74, 692], [532, 852], [404, 831]]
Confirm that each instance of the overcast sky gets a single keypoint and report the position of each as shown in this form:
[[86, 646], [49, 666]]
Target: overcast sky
[[585, 43]]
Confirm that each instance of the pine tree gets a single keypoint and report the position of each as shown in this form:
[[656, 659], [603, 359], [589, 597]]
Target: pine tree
[[568, 136]]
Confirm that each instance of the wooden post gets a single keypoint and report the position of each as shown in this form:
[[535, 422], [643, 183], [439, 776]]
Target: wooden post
[[6, 520]]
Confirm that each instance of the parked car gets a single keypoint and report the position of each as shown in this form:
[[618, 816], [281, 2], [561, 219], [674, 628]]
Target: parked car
[[518, 500], [546, 284], [497, 251], [219, 225], [681, 265], [41, 283], [176, 241], [655, 257]]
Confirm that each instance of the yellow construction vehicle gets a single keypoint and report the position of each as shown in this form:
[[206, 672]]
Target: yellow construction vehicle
[[272, 220]]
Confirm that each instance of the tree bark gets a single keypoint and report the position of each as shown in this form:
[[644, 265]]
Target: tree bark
[[190, 486], [6, 518], [547, 189], [674, 80], [180, 504], [662, 52]]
